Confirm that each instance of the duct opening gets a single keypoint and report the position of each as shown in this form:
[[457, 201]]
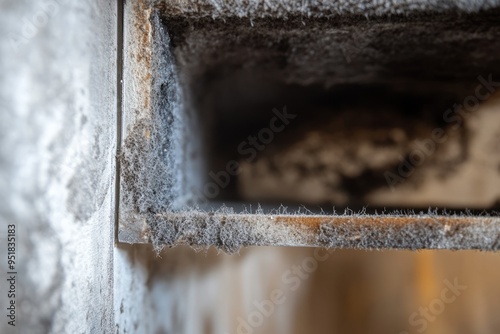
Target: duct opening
[[341, 113]]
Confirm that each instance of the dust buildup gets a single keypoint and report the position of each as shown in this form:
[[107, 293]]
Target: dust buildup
[[154, 164], [423, 233], [152, 153], [225, 230], [313, 8]]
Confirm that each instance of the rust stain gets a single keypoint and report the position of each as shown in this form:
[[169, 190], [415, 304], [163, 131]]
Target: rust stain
[[314, 221], [143, 36]]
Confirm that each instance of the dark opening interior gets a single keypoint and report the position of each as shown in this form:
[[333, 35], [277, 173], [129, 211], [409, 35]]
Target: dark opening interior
[[353, 113], [361, 100]]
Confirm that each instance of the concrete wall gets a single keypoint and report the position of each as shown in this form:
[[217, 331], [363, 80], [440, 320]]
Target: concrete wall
[[57, 151]]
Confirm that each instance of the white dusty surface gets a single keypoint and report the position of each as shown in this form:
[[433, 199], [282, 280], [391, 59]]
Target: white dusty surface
[[57, 147]]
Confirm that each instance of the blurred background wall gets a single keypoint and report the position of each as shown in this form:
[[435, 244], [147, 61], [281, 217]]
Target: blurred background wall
[[397, 292]]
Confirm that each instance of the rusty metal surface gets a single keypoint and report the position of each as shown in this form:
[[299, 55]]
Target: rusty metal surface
[[229, 231]]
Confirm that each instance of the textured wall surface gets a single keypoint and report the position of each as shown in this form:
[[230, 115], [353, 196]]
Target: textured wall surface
[[57, 151]]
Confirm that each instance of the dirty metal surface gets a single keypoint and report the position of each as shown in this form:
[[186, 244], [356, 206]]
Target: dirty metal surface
[[228, 230]]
